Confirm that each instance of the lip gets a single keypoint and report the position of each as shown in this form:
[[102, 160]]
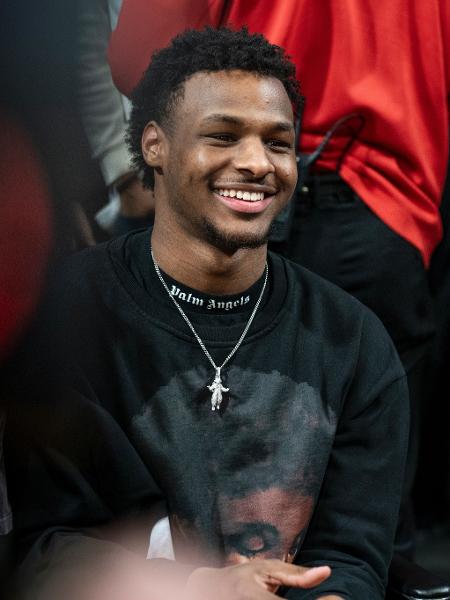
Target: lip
[[245, 206], [246, 187]]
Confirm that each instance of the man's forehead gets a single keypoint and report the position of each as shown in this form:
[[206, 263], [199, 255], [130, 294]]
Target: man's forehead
[[232, 119], [229, 94]]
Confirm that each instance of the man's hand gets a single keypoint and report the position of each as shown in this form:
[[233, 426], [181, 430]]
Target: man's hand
[[255, 580]]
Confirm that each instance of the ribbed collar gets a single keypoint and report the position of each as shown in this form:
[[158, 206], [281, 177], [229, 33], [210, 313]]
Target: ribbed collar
[[132, 262]]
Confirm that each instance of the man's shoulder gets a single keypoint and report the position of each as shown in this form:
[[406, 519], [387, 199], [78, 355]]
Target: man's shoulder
[[79, 272], [335, 315], [88, 260], [90, 276], [95, 266], [319, 294]]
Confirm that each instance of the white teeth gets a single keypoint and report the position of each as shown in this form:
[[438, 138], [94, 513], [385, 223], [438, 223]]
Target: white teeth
[[241, 195]]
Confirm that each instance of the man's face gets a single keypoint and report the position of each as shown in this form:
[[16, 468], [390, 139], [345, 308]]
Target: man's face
[[228, 166], [264, 524]]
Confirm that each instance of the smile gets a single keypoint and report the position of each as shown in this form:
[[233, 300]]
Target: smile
[[244, 201], [241, 195]]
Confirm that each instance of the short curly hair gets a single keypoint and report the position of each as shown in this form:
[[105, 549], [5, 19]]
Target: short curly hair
[[191, 52]]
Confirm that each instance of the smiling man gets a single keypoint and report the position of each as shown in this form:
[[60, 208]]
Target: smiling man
[[249, 414], [227, 171]]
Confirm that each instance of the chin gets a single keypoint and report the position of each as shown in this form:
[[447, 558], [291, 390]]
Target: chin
[[230, 242]]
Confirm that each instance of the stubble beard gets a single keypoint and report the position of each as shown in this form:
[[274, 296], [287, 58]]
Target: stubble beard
[[226, 242], [230, 243]]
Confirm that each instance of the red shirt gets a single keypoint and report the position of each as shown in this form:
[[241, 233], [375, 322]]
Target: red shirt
[[389, 61]]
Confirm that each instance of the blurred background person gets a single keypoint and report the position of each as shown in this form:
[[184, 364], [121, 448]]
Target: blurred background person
[[105, 112]]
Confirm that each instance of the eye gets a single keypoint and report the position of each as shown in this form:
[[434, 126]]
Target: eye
[[279, 144], [222, 138], [254, 538]]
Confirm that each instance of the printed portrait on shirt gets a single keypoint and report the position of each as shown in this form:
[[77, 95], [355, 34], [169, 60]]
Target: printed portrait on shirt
[[243, 486]]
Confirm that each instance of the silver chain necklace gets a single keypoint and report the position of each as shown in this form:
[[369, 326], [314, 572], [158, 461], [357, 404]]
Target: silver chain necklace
[[216, 386]]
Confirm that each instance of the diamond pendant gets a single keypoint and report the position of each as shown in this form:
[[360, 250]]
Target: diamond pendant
[[217, 388]]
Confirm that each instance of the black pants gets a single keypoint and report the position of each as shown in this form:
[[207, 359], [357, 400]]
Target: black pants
[[337, 236]]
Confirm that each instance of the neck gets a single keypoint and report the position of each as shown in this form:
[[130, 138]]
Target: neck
[[204, 267]]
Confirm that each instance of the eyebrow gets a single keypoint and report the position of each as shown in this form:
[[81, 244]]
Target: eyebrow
[[224, 118]]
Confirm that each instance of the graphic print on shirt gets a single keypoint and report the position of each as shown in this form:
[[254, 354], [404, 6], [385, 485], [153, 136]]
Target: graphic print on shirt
[[242, 483]]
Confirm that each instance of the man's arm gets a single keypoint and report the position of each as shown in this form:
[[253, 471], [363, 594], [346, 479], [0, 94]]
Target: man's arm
[[103, 111], [353, 526], [102, 108]]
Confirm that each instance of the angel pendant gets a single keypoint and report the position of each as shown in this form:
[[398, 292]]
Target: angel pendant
[[217, 388]]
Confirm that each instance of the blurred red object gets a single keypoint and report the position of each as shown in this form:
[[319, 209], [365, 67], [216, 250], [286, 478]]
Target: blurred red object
[[25, 231]]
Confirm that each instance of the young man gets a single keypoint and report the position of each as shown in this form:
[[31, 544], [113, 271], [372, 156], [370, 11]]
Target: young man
[[371, 202], [257, 406]]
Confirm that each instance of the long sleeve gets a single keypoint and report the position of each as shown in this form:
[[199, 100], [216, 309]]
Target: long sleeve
[[365, 471], [102, 106]]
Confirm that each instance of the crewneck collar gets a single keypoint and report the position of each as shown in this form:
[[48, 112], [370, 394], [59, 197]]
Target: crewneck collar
[[196, 301], [133, 264]]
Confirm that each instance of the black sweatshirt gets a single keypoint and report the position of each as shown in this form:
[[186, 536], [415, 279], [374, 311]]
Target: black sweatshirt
[[303, 462]]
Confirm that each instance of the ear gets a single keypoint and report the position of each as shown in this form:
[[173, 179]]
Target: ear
[[153, 146]]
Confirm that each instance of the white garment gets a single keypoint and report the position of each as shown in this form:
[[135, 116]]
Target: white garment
[[160, 544]]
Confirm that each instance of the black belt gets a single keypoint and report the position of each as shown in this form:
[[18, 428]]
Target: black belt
[[322, 183]]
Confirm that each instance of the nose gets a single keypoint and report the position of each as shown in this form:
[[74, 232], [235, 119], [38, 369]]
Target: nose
[[252, 157]]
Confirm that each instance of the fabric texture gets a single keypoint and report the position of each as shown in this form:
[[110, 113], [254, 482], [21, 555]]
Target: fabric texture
[[304, 462]]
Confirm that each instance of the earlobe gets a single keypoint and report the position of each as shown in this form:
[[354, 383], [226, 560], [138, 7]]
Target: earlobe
[[152, 145]]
